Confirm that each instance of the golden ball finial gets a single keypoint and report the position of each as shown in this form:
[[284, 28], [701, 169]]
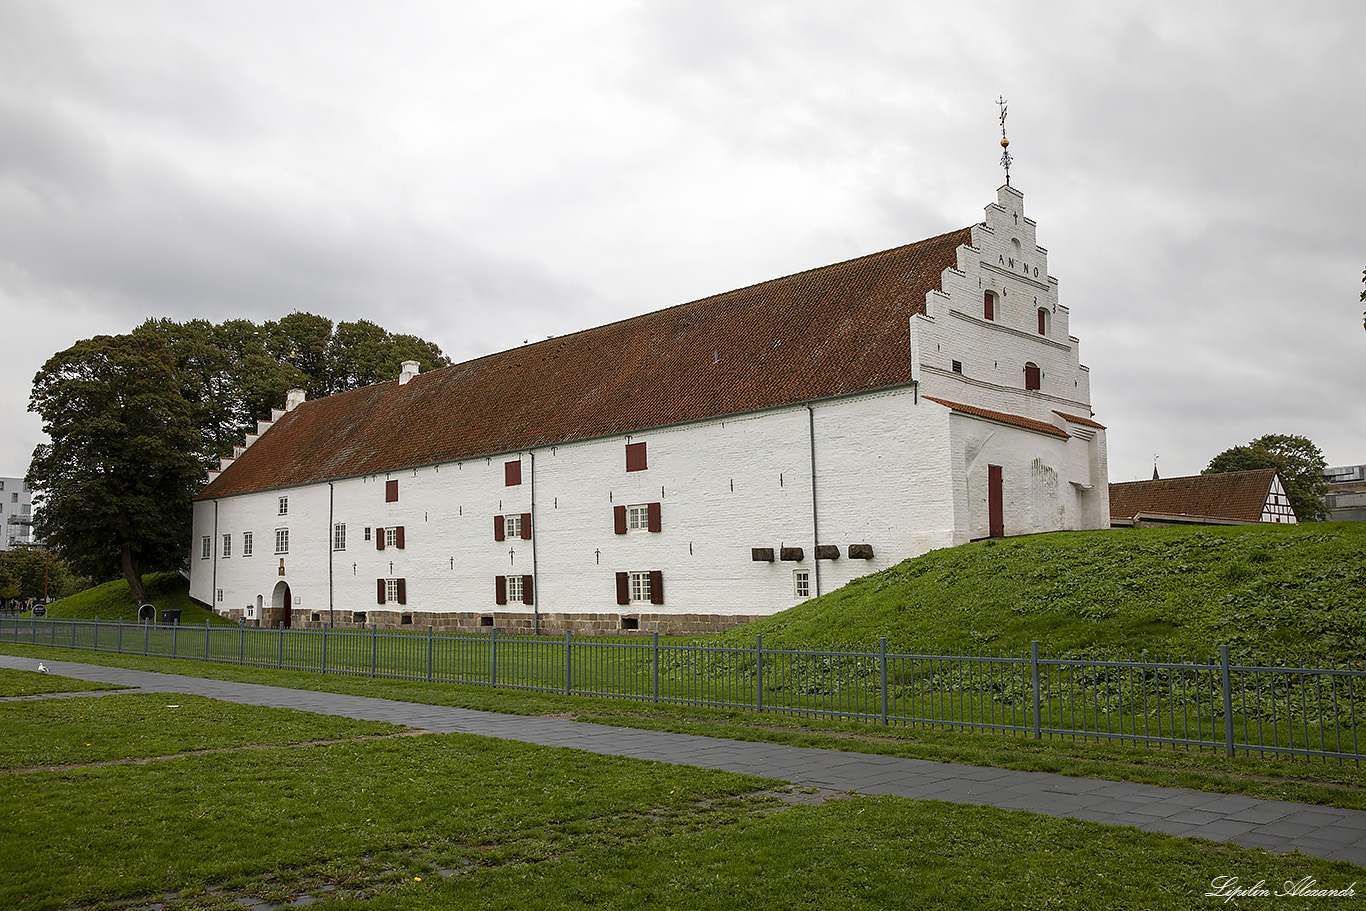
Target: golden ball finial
[[1004, 142]]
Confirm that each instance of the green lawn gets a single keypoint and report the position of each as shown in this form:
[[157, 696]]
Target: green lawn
[[31, 683], [442, 821]]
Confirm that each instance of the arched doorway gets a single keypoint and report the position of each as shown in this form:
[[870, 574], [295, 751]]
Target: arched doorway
[[282, 602]]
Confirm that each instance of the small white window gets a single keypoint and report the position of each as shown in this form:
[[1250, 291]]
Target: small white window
[[246, 544], [220, 594], [251, 611], [640, 586], [391, 536], [227, 546], [515, 589], [14, 498], [339, 536], [205, 548], [512, 527], [638, 517], [282, 540], [801, 579], [367, 532], [284, 506], [391, 591]]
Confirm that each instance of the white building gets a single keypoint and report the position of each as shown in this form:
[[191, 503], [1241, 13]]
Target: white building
[[16, 514], [683, 470]]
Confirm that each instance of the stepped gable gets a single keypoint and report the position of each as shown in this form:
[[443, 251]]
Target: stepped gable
[[831, 331], [1237, 495]]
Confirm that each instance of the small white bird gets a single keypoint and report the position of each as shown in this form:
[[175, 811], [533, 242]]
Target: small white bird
[[41, 668]]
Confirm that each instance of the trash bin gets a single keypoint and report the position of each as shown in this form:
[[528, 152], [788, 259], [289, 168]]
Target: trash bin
[[170, 617]]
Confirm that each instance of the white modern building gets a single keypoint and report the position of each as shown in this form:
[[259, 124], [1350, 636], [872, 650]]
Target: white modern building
[[683, 470], [16, 514]]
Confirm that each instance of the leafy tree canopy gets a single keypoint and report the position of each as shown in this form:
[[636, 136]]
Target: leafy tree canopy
[[27, 572], [136, 420], [114, 485], [1299, 461]]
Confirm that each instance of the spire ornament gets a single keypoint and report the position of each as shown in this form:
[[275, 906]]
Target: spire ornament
[[1005, 143]]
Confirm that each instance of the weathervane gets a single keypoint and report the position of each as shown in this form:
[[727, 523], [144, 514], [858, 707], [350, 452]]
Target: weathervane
[[1005, 143]]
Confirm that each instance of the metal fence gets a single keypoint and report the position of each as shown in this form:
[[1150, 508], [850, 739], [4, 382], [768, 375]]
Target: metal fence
[[1264, 709]]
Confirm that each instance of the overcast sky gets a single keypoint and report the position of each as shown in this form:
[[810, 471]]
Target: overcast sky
[[480, 174]]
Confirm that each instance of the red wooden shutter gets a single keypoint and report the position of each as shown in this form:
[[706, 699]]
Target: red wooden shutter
[[623, 588], [500, 589], [398, 537], [497, 528], [656, 587], [652, 515], [619, 519], [528, 593], [379, 591], [635, 457], [996, 522], [379, 539], [402, 591], [391, 491], [1032, 377], [1043, 321], [989, 306], [526, 529], [512, 473]]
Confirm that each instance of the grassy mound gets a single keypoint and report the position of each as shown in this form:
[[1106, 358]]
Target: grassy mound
[[1289, 591], [112, 601]]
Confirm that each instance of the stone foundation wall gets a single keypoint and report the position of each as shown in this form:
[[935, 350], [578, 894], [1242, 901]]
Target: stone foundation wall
[[513, 623]]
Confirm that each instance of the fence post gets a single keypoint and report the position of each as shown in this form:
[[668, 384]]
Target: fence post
[[1034, 672], [429, 654], [146, 637], [655, 650], [206, 638], [120, 647], [759, 672], [175, 633], [241, 644], [1228, 699], [73, 632], [324, 670], [373, 640], [95, 645], [493, 657], [568, 678], [882, 655], [280, 637]]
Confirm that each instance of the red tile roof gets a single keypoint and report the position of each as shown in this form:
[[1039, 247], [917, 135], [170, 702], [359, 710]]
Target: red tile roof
[[835, 330], [1003, 417], [1076, 419], [1236, 495]]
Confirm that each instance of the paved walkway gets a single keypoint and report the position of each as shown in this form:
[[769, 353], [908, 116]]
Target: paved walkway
[[1276, 825]]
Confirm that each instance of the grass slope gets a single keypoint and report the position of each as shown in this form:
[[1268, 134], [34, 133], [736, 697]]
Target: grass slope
[[112, 601], [1290, 592]]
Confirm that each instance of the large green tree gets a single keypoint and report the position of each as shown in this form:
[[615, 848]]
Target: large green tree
[[28, 572], [1299, 461], [114, 484]]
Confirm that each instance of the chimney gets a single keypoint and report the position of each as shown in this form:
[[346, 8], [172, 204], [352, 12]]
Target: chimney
[[294, 398], [410, 370]]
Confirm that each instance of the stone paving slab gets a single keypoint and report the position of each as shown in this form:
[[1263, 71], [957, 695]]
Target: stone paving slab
[[1276, 825]]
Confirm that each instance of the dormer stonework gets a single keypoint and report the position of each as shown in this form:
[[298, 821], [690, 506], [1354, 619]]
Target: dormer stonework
[[995, 333]]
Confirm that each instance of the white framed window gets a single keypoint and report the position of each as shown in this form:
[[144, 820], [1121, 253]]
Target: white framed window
[[284, 506], [205, 548], [801, 582], [391, 591], [339, 536], [640, 586], [282, 540], [367, 532], [220, 595], [227, 546], [251, 611], [512, 526], [246, 544], [391, 536], [515, 589], [638, 517]]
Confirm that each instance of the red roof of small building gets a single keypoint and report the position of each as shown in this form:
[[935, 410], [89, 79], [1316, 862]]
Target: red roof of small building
[[836, 330], [1003, 417], [1236, 495]]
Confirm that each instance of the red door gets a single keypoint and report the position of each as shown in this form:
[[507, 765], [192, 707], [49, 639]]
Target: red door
[[996, 511]]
